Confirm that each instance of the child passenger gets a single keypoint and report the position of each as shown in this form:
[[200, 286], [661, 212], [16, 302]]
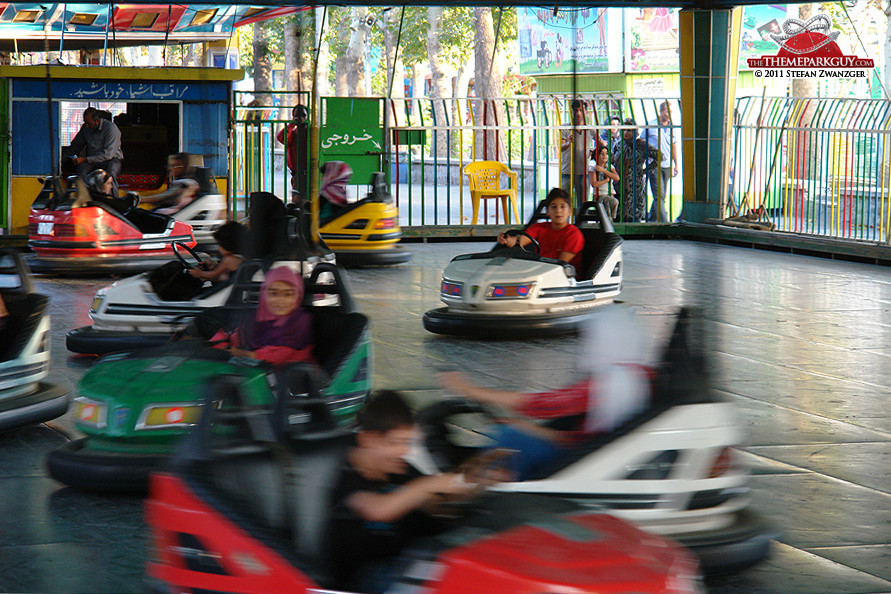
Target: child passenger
[[231, 238], [616, 386], [280, 331], [378, 507], [558, 239], [602, 175]]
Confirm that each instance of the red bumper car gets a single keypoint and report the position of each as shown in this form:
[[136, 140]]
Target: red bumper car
[[74, 230], [243, 508]]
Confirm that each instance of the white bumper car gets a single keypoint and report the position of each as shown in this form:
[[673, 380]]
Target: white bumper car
[[24, 350], [671, 468], [206, 212], [147, 309], [511, 291]]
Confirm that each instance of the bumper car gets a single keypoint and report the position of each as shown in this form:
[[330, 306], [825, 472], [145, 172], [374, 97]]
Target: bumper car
[[206, 212], [77, 230], [362, 233], [509, 291], [147, 309], [670, 469], [134, 407], [224, 517], [24, 350]]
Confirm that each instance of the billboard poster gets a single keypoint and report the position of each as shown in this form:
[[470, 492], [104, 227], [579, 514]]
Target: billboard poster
[[582, 40], [652, 43], [758, 22]]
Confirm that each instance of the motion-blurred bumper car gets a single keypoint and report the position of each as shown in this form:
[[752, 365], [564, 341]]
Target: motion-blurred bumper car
[[147, 309], [24, 349], [244, 507], [511, 291], [134, 407], [80, 229], [362, 233], [206, 211], [671, 468]]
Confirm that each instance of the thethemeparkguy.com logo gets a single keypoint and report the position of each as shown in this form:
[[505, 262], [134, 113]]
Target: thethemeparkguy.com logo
[[808, 50]]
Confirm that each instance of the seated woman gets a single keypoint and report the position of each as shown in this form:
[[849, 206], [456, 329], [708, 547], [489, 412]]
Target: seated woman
[[333, 188], [616, 387], [280, 331], [231, 238], [558, 239]]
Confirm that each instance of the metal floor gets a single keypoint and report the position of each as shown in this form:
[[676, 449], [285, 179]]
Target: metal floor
[[803, 347]]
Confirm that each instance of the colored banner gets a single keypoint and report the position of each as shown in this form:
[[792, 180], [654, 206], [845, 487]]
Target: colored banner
[[652, 40], [758, 23], [580, 40]]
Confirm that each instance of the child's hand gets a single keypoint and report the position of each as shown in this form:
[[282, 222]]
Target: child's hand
[[451, 484], [508, 241], [196, 272]]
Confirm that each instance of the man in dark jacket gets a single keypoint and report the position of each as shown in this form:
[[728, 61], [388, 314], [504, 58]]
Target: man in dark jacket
[[96, 146]]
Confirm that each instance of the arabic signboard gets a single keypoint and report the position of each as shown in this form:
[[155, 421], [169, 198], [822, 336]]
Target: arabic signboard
[[121, 90], [352, 132]]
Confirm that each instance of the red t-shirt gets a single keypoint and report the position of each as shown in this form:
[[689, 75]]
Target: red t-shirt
[[553, 243]]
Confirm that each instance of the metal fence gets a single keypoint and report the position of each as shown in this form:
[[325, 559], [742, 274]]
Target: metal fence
[[426, 169], [815, 166]]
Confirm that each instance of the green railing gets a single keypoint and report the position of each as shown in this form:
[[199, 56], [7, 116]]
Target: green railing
[[432, 141], [815, 166]]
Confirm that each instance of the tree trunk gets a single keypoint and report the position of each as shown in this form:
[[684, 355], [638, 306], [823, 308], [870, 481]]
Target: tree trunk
[[417, 91], [262, 64], [487, 85], [395, 72], [462, 89], [341, 88], [803, 165], [438, 89], [354, 56], [292, 60]]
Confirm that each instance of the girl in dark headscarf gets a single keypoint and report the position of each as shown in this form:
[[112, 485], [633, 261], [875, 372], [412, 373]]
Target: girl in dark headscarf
[[632, 157], [280, 331]]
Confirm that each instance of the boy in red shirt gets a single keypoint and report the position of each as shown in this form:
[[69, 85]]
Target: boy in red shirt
[[558, 239]]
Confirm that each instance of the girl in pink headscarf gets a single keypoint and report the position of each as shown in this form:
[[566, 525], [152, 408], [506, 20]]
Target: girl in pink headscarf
[[280, 331]]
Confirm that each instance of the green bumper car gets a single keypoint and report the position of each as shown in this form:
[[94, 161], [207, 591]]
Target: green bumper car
[[134, 407]]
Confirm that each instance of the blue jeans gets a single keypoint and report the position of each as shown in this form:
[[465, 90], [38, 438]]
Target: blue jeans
[[658, 179], [581, 186], [532, 451]]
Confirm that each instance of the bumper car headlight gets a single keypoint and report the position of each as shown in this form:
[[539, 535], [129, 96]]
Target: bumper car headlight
[[90, 412], [97, 303], [165, 416], [452, 289], [519, 291]]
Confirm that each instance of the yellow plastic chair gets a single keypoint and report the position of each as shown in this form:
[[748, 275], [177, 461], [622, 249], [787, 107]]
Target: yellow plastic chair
[[485, 182]]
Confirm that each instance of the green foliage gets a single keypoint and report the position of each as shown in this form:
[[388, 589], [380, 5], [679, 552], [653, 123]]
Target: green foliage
[[456, 36]]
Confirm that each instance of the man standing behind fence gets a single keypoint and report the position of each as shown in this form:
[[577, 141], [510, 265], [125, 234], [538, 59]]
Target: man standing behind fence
[[295, 137], [660, 136], [575, 147]]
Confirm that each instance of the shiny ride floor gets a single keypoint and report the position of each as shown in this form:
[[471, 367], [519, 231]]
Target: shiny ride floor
[[802, 346]]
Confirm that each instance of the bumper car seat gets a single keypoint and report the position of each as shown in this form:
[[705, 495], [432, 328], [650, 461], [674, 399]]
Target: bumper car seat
[[25, 312]]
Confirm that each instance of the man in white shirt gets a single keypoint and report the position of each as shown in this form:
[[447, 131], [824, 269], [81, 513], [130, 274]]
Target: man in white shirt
[[575, 149], [660, 135]]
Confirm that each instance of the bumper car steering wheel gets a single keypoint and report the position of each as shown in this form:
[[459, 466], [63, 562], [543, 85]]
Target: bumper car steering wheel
[[520, 232], [186, 265]]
